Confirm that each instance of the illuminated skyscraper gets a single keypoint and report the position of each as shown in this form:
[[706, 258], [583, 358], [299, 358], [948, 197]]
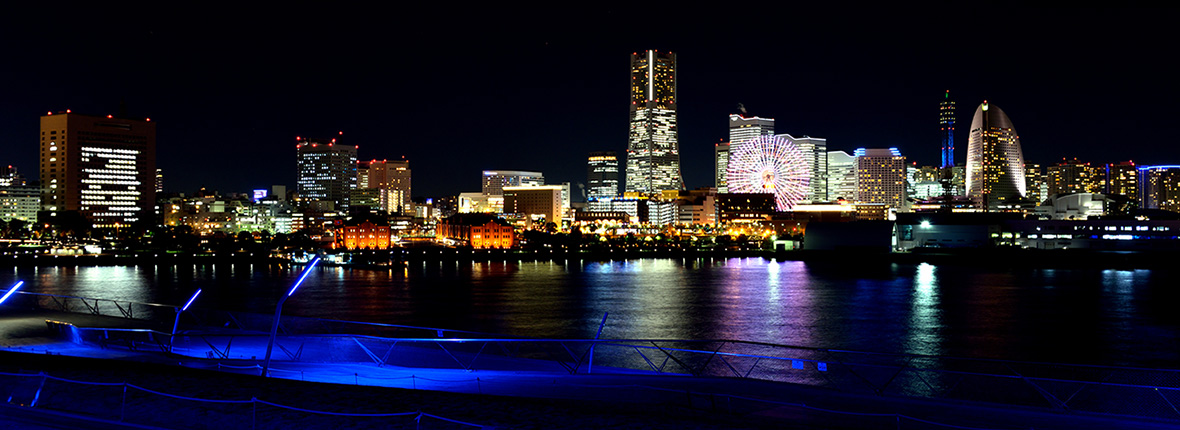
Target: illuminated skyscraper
[[1160, 187], [103, 167], [1035, 186], [946, 124], [327, 171], [841, 174], [995, 163], [602, 175], [1073, 176], [392, 178], [653, 154], [721, 166], [1123, 179], [880, 176], [816, 151]]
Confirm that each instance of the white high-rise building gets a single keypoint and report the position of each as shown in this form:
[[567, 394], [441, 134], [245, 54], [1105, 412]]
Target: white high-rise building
[[816, 151], [841, 176], [653, 150], [742, 128]]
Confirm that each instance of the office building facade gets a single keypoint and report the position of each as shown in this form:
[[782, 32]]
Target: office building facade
[[494, 181], [101, 167], [721, 166], [1073, 176], [815, 149], [841, 178], [535, 202], [1122, 179], [653, 150], [880, 177], [602, 175], [327, 172], [1160, 187], [392, 180]]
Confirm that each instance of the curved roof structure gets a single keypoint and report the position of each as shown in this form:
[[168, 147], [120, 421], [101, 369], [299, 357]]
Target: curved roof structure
[[995, 162]]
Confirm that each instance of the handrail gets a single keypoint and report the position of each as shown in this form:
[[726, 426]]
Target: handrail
[[649, 340], [97, 299]]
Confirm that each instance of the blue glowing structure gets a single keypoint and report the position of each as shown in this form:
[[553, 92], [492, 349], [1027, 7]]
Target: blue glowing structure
[[10, 291], [274, 329], [946, 124], [190, 300], [176, 322]]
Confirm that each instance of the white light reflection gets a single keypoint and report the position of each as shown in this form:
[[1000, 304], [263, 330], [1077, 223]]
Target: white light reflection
[[925, 315], [1118, 289], [772, 270]]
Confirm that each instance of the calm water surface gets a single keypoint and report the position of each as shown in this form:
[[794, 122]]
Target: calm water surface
[[1082, 316]]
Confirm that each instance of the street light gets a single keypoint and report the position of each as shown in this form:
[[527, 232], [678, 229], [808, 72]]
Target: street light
[[274, 329], [10, 291], [176, 323]]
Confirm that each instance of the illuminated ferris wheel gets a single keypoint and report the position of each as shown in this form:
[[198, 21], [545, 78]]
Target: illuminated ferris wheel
[[769, 164]]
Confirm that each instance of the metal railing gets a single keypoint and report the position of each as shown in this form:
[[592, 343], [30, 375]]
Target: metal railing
[[88, 305], [218, 335]]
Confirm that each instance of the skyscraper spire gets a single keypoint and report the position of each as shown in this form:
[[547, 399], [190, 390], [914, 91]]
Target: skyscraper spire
[[946, 123]]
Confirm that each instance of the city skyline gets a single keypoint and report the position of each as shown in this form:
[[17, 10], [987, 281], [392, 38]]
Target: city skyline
[[860, 82]]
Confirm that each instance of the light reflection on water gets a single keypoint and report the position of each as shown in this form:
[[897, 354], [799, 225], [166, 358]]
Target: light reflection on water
[[923, 336], [1109, 317]]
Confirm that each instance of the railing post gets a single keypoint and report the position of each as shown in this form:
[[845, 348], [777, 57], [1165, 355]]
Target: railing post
[[123, 406], [590, 364], [274, 329]]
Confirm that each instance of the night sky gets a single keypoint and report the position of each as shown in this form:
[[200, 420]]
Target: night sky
[[457, 91]]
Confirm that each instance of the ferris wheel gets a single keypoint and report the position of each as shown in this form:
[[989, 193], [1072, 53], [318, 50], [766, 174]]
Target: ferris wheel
[[769, 164]]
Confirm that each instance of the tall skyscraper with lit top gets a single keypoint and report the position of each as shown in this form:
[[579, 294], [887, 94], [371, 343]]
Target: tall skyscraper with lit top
[[946, 124], [653, 151], [995, 162]]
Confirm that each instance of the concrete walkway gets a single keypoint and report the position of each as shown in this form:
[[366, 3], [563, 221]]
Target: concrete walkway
[[755, 402]]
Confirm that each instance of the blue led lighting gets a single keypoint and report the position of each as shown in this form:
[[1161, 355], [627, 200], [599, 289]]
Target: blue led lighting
[[314, 260], [10, 291], [1165, 166], [190, 300]]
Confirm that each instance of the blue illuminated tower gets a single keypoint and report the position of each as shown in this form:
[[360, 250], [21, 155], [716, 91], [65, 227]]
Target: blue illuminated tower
[[946, 123]]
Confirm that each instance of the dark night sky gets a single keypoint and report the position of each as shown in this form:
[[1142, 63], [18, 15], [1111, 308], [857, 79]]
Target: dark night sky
[[459, 91]]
